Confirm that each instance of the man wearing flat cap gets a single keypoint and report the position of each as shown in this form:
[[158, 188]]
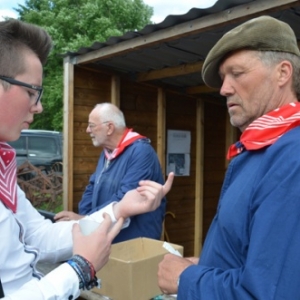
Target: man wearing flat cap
[[252, 249]]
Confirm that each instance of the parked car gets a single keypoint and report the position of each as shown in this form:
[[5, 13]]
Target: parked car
[[42, 148]]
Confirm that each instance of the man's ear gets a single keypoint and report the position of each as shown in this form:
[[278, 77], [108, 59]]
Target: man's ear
[[111, 128], [285, 72]]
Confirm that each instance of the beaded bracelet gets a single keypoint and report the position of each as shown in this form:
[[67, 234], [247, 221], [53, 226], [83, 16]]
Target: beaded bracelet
[[84, 267], [85, 272], [78, 272]]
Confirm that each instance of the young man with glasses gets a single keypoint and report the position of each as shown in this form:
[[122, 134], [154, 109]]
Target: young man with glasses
[[25, 235]]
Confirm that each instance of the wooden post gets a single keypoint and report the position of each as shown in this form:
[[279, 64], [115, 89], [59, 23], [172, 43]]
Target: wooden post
[[68, 133], [115, 90], [161, 129], [199, 178], [161, 137]]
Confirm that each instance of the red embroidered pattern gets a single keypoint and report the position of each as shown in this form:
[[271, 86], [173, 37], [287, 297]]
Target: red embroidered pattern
[[8, 176]]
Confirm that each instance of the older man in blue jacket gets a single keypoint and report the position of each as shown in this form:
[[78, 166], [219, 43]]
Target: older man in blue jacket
[[127, 158]]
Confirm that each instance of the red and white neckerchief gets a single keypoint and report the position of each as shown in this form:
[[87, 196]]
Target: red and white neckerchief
[[8, 176], [267, 129], [128, 138]]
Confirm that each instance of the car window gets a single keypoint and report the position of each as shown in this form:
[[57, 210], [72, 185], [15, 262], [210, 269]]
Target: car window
[[19, 145], [42, 146]]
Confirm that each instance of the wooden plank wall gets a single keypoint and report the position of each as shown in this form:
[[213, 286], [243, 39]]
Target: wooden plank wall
[[214, 158], [181, 199], [181, 115], [90, 88], [139, 105]]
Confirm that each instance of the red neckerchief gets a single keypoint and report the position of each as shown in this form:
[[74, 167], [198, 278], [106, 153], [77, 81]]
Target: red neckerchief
[[267, 129], [128, 138], [8, 176]]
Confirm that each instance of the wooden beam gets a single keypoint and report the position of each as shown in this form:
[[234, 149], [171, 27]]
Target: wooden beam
[[68, 134], [201, 89], [199, 178], [188, 28], [170, 72], [115, 90]]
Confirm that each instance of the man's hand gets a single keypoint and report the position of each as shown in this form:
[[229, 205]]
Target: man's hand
[[145, 198], [169, 270], [99, 241], [193, 260], [67, 216]]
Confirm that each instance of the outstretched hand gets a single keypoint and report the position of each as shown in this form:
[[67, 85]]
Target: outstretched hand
[[145, 198]]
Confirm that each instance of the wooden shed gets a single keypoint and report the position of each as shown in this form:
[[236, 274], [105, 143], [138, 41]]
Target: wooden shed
[[154, 76]]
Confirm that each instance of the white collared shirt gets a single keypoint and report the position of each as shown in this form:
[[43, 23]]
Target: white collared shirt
[[27, 237]]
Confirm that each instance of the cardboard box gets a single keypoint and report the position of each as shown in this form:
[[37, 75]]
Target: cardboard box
[[131, 272]]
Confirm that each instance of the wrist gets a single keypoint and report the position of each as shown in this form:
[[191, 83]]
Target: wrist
[[112, 211], [85, 272], [119, 213], [117, 210]]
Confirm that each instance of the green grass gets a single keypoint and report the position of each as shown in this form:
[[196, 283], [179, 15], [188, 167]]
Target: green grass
[[49, 205]]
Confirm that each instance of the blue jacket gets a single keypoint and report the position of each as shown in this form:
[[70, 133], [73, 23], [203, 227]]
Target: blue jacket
[[137, 162], [252, 249]]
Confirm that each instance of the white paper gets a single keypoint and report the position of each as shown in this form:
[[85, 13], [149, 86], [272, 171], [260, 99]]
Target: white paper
[[178, 152], [179, 141]]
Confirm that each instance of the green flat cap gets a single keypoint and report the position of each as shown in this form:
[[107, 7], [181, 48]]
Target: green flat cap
[[262, 34]]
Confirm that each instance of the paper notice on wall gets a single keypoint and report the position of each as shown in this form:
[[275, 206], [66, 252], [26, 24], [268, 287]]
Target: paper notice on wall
[[178, 152]]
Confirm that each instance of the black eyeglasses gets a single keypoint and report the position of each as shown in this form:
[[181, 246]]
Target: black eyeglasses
[[39, 89]]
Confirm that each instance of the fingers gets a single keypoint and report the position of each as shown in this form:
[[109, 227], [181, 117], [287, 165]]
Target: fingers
[[62, 219], [116, 228], [167, 186], [67, 216], [153, 187], [193, 260], [112, 230], [106, 223], [169, 270], [62, 216], [148, 186], [149, 191], [76, 229]]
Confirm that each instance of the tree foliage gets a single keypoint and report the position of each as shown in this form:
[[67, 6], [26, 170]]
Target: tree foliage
[[73, 24]]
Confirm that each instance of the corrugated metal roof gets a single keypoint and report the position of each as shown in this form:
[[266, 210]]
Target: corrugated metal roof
[[182, 50], [169, 21]]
